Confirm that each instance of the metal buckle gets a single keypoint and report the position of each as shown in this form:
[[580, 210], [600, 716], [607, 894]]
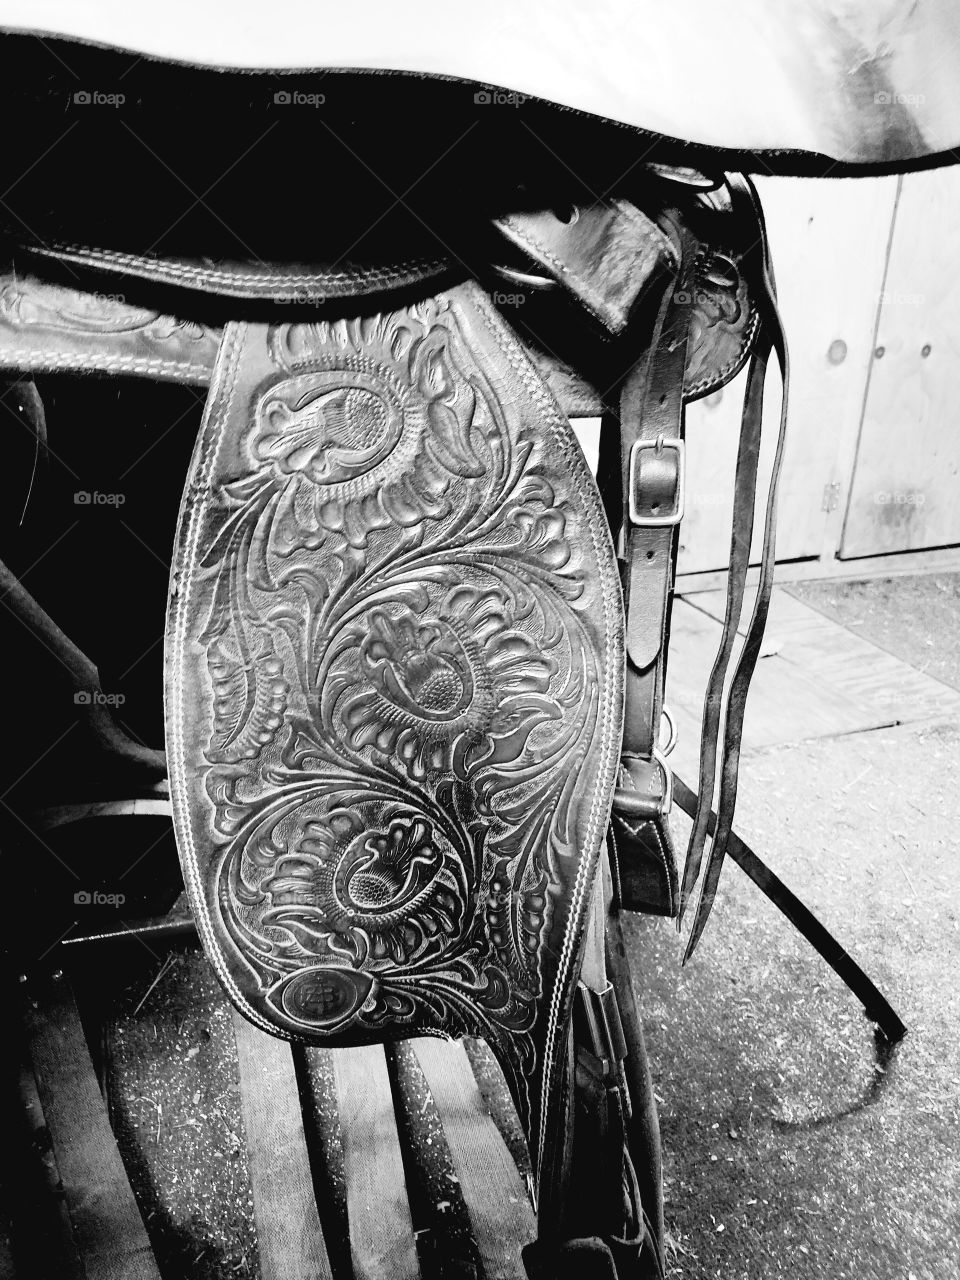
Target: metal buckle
[[675, 516], [684, 176], [673, 732], [666, 803], [628, 802], [599, 1027], [528, 279]]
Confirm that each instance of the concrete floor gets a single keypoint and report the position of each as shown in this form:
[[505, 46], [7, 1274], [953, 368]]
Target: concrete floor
[[790, 1150]]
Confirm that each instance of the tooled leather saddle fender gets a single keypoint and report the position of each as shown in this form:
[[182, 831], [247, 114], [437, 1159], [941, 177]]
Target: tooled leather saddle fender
[[414, 653]]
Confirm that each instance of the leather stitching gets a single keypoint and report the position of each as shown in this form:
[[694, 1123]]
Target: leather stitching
[[193, 512], [635, 833], [45, 359], [540, 250], [625, 782], [610, 710], [174, 271]]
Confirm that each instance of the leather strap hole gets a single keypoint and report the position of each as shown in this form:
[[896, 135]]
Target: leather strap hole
[[568, 215]]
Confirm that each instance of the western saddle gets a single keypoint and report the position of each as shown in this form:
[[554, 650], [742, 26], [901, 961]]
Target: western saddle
[[415, 649]]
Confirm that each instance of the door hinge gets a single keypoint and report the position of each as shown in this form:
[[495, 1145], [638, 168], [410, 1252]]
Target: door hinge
[[831, 497]]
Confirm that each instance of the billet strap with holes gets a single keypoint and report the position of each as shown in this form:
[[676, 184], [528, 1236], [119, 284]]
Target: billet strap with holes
[[613, 259], [652, 461]]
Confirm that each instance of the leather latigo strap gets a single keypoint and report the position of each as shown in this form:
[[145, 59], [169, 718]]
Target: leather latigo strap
[[686, 312], [652, 455], [394, 688], [770, 338], [713, 309]]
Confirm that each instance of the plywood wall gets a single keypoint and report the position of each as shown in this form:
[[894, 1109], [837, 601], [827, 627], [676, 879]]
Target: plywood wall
[[868, 273]]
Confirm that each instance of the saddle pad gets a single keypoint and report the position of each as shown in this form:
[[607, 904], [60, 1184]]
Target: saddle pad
[[860, 82], [394, 682]]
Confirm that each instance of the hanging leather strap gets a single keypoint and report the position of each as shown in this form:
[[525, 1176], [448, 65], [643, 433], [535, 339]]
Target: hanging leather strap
[[612, 1225], [770, 337], [652, 454], [745, 488]]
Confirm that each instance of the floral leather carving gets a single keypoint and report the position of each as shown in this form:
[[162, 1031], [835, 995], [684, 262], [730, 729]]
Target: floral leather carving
[[394, 685], [47, 327]]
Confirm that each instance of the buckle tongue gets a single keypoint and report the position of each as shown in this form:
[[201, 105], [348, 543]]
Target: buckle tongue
[[645, 520]]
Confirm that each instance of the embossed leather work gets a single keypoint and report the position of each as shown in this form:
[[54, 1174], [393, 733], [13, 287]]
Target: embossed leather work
[[394, 685], [395, 646], [610, 255], [52, 328], [723, 323], [48, 327], [278, 282]]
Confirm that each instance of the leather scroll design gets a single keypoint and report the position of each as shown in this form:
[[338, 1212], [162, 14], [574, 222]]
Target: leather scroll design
[[723, 322], [46, 327], [394, 683]]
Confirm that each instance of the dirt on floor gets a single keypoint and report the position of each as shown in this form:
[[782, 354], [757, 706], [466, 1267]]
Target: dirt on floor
[[916, 618], [792, 1148]]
